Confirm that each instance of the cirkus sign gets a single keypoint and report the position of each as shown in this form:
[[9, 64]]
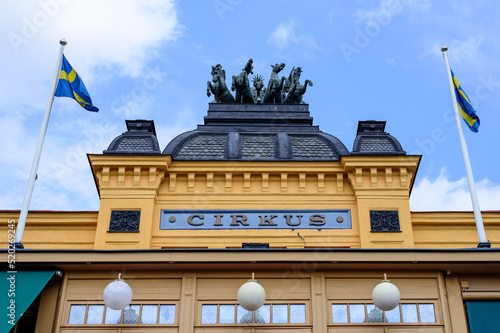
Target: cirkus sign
[[255, 219]]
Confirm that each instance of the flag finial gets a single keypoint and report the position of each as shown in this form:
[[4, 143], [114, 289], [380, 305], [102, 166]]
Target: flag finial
[[444, 48], [63, 42]]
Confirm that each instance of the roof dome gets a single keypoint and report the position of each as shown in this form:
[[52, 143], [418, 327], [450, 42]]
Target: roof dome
[[140, 139], [372, 140], [256, 132]]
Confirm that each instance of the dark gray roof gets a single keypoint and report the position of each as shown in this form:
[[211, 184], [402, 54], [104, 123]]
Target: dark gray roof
[[372, 140], [301, 148], [140, 139], [256, 132], [203, 147]]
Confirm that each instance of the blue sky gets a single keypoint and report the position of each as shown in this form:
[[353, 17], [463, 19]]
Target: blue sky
[[368, 60]]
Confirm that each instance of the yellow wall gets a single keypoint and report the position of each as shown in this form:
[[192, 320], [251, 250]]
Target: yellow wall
[[153, 183], [453, 229], [54, 230]]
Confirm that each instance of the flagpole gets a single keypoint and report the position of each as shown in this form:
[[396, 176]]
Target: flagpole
[[36, 159], [483, 242]]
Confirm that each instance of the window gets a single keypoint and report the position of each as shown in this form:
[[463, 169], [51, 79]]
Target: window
[[279, 313], [98, 314], [357, 313]]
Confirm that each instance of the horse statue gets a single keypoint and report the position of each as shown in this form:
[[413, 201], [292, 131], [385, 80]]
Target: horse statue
[[241, 84], [275, 85], [258, 88], [219, 88], [297, 90], [286, 87]]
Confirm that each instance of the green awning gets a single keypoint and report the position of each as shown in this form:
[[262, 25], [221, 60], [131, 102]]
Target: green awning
[[483, 316], [18, 291]]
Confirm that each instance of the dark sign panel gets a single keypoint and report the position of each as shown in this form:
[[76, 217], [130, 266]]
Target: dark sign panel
[[255, 219]]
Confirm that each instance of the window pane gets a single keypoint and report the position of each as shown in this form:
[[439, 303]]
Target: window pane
[[263, 315], [393, 316], [244, 316], [149, 314], [167, 314], [427, 313], [409, 313], [375, 315], [357, 312], [77, 314], [280, 313], [226, 314], [298, 313], [131, 314], [95, 315], [112, 316], [339, 313], [209, 314]]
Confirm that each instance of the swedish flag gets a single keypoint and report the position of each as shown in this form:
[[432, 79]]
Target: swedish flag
[[466, 109], [71, 85]]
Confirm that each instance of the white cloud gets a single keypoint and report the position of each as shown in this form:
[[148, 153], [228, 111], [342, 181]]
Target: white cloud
[[65, 179], [289, 33], [466, 50], [100, 34], [443, 194], [463, 51], [388, 9], [106, 41], [283, 34]]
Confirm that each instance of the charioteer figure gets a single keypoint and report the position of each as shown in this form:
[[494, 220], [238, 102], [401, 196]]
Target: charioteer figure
[[241, 84]]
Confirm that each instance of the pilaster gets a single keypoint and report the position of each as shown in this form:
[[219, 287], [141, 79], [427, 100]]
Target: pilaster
[[382, 184], [128, 185]]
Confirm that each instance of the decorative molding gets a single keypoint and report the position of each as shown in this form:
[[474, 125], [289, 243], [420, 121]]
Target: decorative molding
[[384, 220], [124, 220], [388, 177], [302, 181], [121, 176], [404, 177], [246, 181], [359, 177], [373, 177], [210, 181], [265, 181], [137, 175], [105, 176], [229, 181], [191, 176], [321, 182], [160, 176], [173, 181], [410, 176], [340, 182], [284, 181], [152, 175]]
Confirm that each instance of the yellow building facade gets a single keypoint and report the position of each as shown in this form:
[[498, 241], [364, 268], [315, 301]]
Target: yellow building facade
[[257, 188]]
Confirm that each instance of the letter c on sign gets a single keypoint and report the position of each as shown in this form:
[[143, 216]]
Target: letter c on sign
[[191, 217]]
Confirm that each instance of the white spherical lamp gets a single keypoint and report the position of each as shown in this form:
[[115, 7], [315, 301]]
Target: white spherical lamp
[[385, 295], [117, 295], [251, 295]]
